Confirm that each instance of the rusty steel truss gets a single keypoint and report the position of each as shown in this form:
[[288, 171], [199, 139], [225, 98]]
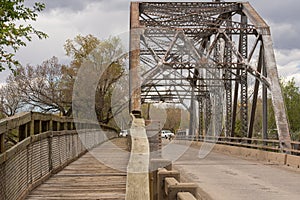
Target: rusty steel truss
[[215, 58]]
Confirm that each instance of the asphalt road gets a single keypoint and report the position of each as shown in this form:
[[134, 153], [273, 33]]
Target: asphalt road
[[225, 177]]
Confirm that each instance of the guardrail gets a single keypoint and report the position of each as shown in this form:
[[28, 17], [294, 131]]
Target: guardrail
[[27, 124], [43, 151], [261, 144], [165, 183]]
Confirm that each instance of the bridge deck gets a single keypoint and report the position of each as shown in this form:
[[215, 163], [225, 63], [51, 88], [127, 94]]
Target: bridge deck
[[99, 174], [228, 177]]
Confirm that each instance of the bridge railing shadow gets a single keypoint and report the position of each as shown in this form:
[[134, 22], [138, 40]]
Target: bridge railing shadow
[[47, 144]]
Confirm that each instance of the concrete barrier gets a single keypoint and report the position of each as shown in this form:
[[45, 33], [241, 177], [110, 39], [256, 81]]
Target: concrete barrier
[[169, 186], [137, 186], [277, 158], [293, 161], [173, 187], [156, 164], [185, 196], [254, 154]]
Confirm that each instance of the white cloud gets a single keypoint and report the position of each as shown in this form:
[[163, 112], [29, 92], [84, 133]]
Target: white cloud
[[286, 56], [289, 64], [64, 20], [3, 75], [61, 24], [2, 84], [296, 77]]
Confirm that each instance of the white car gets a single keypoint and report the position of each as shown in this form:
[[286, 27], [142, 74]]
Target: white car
[[123, 133], [167, 134]]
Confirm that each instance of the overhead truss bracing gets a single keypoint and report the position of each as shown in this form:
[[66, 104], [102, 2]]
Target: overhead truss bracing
[[216, 55]]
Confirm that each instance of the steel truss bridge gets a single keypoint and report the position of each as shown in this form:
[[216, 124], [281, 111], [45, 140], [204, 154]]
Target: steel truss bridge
[[215, 58]]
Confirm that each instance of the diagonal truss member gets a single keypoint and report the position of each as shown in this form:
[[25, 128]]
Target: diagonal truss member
[[210, 54]]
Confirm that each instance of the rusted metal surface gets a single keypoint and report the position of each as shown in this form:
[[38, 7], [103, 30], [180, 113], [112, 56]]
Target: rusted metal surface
[[272, 73], [260, 24], [277, 98], [134, 61], [201, 51]]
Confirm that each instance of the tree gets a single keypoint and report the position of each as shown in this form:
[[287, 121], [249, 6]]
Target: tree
[[107, 60], [80, 47], [173, 121], [10, 98], [42, 88], [291, 97], [13, 31]]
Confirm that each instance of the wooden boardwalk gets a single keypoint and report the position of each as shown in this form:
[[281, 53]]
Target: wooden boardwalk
[[99, 174]]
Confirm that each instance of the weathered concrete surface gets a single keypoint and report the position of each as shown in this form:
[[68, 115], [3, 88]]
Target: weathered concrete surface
[[226, 177], [293, 161], [137, 186]]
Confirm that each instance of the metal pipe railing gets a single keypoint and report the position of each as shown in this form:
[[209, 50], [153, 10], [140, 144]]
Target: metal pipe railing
[[255, 143]]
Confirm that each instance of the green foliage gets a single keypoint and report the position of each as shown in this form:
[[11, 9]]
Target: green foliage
[[237, 128], [291, 97], [80, 47], [106, 57], [295, 136], [2, 115], [15, 30], [173, 121]]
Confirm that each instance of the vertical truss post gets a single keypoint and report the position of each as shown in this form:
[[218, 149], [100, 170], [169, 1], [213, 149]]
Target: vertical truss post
[[201, 117], [192, 112], [264, 104], [255, 95], [243, 49], [271, 69], [208, 106], [277, 98], [134, 59], [217, 90], [228, 84], [235, 102]]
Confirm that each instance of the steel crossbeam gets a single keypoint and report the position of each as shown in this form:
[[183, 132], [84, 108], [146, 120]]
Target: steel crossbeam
[[205, 53]]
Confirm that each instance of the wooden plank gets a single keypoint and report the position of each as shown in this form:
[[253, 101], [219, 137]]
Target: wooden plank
[[89, 177]]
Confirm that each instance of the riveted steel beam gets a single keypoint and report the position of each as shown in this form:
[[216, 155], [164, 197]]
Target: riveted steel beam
[[201, 51]]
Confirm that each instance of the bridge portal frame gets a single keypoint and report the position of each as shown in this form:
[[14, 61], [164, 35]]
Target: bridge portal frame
[[213, 25]]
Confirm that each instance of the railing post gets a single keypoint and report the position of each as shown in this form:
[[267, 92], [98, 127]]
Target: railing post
[[155, 164], [3, 131], [2, 144], [51, 125], [161, 175], [50, 152], [32, 127]]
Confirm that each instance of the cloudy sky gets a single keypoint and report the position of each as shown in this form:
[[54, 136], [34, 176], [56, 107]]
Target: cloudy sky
[[64, 19]]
